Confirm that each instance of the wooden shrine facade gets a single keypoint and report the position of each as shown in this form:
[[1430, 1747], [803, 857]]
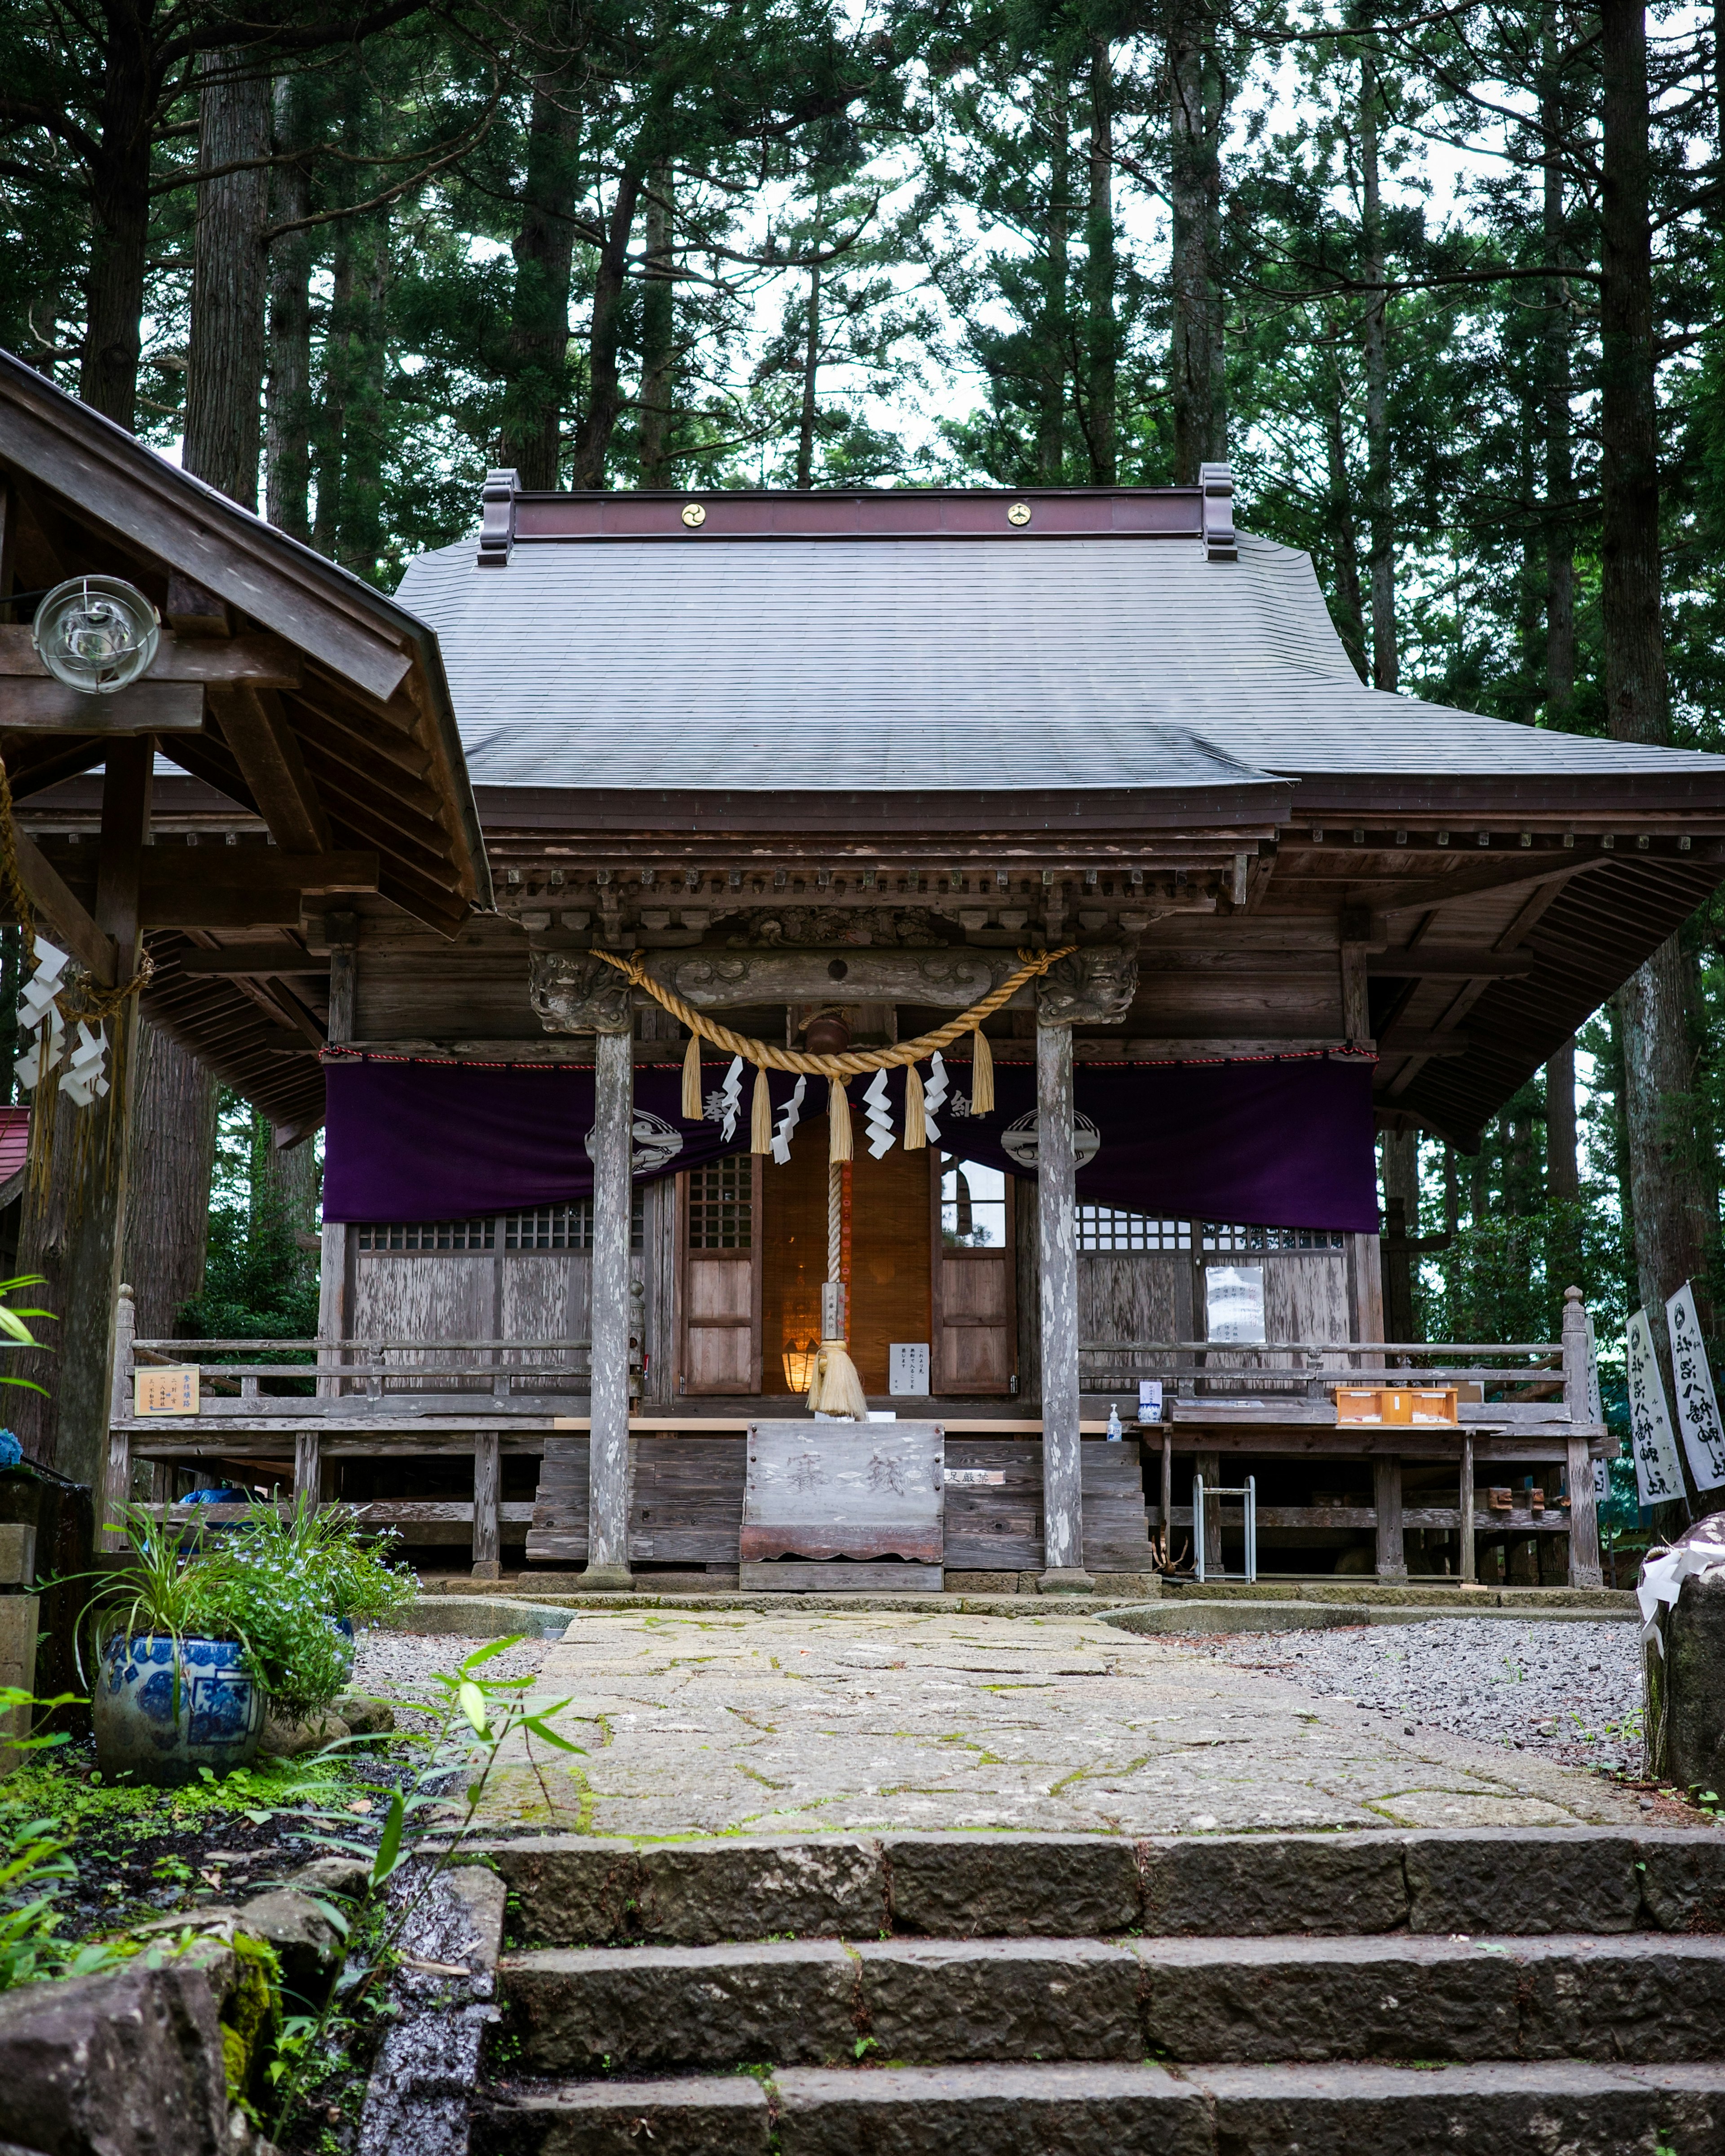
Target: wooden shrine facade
[[849, 756]]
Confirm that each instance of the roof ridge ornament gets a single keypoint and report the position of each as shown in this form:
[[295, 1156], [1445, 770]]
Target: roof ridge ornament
[[497, 518], [1216, 484]]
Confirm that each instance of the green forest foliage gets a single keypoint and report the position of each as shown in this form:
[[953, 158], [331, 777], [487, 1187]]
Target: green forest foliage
[[730, 243]]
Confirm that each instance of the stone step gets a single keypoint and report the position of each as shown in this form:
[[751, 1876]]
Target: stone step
[[572, 1890], [1137, 2109], [823, 2002]]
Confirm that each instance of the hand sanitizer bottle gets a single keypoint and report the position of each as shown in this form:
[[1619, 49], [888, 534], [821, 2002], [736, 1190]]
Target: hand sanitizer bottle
[[1113, 1423]]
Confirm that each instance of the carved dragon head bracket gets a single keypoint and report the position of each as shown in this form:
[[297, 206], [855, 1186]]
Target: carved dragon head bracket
[[1092, 987], [572, 991]]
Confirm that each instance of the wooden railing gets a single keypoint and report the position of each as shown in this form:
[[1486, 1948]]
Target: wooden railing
[[1312, 1369]]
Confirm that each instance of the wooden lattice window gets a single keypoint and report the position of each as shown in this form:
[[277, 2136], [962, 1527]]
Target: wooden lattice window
[[480, 1234], [721, 1214], [567, 1227]]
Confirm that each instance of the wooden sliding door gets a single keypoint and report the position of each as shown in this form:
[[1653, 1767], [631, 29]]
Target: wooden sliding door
[[972, 1264], [719, 1284]]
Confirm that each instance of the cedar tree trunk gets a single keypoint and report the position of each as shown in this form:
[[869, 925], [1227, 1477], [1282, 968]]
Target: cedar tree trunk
[[230, 270]]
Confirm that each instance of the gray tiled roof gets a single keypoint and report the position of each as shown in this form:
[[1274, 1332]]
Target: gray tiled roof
[[936, 664]]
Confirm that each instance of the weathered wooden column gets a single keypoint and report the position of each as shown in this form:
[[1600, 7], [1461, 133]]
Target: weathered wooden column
[[1209, 1465], [1387, 1498], [116, 1490], [487, 1483], [1584, 1567], [610, 1144], [335, 1289], [1062, 1463], [74, 1223], [1469, 1550]]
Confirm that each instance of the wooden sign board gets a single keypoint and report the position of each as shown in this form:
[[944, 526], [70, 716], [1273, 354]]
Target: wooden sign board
[[165, 1391], [845, 1489]]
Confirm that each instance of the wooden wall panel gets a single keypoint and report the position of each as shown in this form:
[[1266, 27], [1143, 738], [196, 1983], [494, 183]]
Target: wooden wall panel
[[1306, 1295], [478, 994], [424, 1296], [1134, 1295]]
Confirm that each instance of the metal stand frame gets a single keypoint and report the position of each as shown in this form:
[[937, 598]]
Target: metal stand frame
[[1249, 1490]]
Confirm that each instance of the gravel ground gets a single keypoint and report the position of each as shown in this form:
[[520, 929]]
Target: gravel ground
[[400, 1666], [1572, 1691]]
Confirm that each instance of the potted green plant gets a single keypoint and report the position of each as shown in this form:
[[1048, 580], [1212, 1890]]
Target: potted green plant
[[296, 1582], [176, 1688]]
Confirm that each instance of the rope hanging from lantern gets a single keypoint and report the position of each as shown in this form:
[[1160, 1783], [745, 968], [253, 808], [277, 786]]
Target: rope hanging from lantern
[[848, 1063]]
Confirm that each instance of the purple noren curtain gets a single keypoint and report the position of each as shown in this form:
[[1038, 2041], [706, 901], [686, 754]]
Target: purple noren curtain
[[1283, 1144]]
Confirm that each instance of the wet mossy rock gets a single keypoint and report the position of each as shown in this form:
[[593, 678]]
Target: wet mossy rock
[[1694, 1686], [131, 2062], [250, 2020]]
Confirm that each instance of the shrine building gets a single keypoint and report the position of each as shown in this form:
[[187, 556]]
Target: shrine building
[[985, 929]]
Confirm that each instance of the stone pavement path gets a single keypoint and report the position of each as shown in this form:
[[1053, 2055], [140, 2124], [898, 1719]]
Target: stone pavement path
[[706, 1722]]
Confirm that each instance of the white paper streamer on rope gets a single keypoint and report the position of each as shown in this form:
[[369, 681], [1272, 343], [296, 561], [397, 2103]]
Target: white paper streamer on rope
[[1692, 1381], [789, 1115], [1658, 1476], [1701, 1549], [880, 1117], [934, 1095], [84, 1080], [731, 1098]]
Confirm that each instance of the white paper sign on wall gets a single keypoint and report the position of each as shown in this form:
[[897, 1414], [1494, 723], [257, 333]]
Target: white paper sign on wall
[[1234, 1305], [1658, 1476], [1692, 1381], [908, 1367]]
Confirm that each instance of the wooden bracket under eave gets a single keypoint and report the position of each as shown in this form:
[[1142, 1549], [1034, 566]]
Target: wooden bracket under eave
[[60, 914]]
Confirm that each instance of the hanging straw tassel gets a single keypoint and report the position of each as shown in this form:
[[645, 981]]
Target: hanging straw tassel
[[837, 1389], [916, 1130], [761, 1114], [838, 1121], [691, 1081], [982, 1076]]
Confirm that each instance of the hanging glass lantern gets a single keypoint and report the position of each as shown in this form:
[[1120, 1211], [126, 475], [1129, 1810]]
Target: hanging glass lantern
[[95, 633]]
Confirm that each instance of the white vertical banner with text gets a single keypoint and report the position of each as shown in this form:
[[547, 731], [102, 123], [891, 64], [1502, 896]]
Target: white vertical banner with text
[[1692, 1381], [1659, 1478]]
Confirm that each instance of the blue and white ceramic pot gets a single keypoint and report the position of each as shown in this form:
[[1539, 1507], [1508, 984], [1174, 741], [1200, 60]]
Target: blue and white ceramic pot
[[152, 1730]]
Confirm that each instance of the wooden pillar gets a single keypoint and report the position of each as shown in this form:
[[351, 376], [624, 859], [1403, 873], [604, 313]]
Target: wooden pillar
[[1387, 1497], [610, 1146], [75, 1217], [487, 1480], [308, 1467], [1209, 1464], [1167, 1497], [1469, 1547], [117, 1480], [1584, 1568], [335, 1286], [1062, 1463]]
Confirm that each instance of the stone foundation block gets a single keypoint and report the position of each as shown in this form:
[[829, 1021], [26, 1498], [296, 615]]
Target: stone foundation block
[[1022, 1885], [1466, 2110], [717, 2115], [648, 2008], [1682, 1876], [1494, 1880], [695, 1893], [1254, 1886], [1250, 2001], [992, 2110], [1000, 1998]]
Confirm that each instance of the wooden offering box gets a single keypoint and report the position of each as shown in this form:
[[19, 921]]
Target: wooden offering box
[[1424, 1405]]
